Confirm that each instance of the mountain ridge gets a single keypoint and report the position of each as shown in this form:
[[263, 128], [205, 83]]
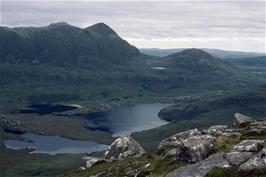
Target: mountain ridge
[[101, 53]]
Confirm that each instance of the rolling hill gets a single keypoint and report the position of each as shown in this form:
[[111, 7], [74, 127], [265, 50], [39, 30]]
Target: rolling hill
[[215, 52]]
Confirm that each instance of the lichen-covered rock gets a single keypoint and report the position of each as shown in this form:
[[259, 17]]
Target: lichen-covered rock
[[124, 147], [231, 134], [196, 148], [217, 130], [249, 146], [255, 165], [200, 169], [175, 140], [260, 124], [242, 120], [90, 161], [236, 158]]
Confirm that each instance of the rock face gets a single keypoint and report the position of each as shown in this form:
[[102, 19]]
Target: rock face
[[217, 130], [122, 148], [242, 120], [175, 140], [249, 146], [196, 148], [200, 169]]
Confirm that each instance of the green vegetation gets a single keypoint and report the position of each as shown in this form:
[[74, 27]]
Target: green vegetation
[[220, 172], [63, 126], [19, 163], [251, 102], [226, 143], [153, 166]]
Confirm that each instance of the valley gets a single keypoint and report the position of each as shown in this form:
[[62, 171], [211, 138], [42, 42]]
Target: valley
[[116, 90]]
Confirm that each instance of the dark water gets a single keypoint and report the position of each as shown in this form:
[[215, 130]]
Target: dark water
[[54, 144], [43, 109], [120, 121], [127, 119]]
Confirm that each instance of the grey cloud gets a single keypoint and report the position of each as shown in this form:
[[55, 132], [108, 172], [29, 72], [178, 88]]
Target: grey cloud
[[148, 20]]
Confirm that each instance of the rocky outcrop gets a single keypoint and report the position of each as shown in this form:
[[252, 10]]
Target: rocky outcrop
[[217, 130], [258, 124], [200, 169], [249, 146], [196, 148], [236, 158], [124, 147], [175, 140], [188, 146], [256, 164], [90, 161], [248, 157], [242, 120]]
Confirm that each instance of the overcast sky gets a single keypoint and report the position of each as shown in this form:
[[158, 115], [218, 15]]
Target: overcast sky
[[231, 25]]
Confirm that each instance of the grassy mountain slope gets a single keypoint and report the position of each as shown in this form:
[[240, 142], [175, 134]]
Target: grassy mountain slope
[[256, 65]]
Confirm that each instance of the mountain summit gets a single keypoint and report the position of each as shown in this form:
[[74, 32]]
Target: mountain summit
[[192, 53], [101, 29]]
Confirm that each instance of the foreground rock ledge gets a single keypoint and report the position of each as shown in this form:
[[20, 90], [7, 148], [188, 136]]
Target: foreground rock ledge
[[200, 169]]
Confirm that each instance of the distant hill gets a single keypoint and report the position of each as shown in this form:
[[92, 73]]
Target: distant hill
[[197, 66], [256, 65], [220, 108], [215, 52]]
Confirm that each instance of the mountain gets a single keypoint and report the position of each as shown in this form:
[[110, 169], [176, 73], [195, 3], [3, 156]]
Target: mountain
[[64, 45], [215, 52], [196, 67], [65, 63]]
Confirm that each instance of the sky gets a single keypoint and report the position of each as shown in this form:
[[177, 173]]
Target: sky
[[230, 25]]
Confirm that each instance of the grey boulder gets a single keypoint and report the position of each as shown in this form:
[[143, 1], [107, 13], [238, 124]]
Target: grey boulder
[[175, 140], [236, 158], [196, 148], [249, 146], [217, 130], [242, 120], [124, 147]]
